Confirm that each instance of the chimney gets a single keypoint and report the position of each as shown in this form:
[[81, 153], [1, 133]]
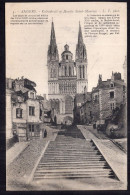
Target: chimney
[[44, 95], [100, 79]]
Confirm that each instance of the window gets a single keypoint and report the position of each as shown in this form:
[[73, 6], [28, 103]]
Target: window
[[66, 57], [80, 71], [18, 113], [96, 98], [40, 113], [83, 72], [51, 73], [69, 71], [65, 71], [31, 128], [31, 110], [112, 85], [112, 106], [32, 95], [112, 94]]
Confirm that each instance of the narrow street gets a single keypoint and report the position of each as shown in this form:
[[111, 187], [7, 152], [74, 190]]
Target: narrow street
[[75, 159]]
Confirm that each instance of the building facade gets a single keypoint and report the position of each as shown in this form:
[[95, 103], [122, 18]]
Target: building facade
[[106, 97], [26, 117], [66, 77]]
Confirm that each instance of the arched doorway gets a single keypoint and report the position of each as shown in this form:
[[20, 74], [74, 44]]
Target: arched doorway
[[67, 120]]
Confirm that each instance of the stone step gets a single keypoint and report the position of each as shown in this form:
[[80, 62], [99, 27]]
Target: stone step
[[71, 155], [62, 139], [70, 142], [71, 137], [73, 171], [76, 145], [71, 176], [59, 176], [70, 146], [71, 149], [71, 160], [45, 167], [72, 168], [93, 174], [68, 139], [88, 152], [88, 163]]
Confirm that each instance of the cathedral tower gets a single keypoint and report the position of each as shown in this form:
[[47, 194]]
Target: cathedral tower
[[81, 63], [53, 63], [66, 77]]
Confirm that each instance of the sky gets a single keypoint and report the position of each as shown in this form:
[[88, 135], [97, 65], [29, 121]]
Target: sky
[[27, 45]]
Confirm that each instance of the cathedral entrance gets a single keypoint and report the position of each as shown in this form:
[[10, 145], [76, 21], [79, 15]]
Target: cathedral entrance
[[68, 120], [68, 105]]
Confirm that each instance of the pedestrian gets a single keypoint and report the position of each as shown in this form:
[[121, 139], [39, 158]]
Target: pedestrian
[[45, 133]]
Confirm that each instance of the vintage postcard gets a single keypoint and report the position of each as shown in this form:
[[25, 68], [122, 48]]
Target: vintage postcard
[[66, 96]]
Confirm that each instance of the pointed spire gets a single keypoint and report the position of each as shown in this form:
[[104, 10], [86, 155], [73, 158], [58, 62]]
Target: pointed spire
[[52, 49], [80, 37], [81, 53], [53, 39]]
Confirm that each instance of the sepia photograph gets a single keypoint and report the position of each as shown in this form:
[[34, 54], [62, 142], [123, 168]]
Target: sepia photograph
[[66, 96]]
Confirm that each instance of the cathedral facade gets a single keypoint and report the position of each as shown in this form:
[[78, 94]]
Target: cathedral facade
[[67, 77]]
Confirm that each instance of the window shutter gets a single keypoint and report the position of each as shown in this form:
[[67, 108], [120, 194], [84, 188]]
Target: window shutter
[[16, 112], [21, 113], [29, 110], [33, 110]]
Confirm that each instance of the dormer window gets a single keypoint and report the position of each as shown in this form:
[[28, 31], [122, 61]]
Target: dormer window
[[66, 57], [18, 113], [112, 94], [32, 95], [112, 85]]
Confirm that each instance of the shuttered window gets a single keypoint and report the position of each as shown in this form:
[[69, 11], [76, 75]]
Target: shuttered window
[[31, 111], [18, 113]]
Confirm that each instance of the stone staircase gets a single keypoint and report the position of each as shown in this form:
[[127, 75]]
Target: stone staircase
[[72, 156]]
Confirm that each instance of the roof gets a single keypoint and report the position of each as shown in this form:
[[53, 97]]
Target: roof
[[119, 82], [39, 97], [79, 98], [103, 84], [66, 52], [29, 82], [88, 96]]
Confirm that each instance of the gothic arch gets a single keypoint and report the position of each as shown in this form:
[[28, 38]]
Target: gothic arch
[[83, 71], [80, 73], [69, 71], [65, 71], [67, 120], [68, 104]]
